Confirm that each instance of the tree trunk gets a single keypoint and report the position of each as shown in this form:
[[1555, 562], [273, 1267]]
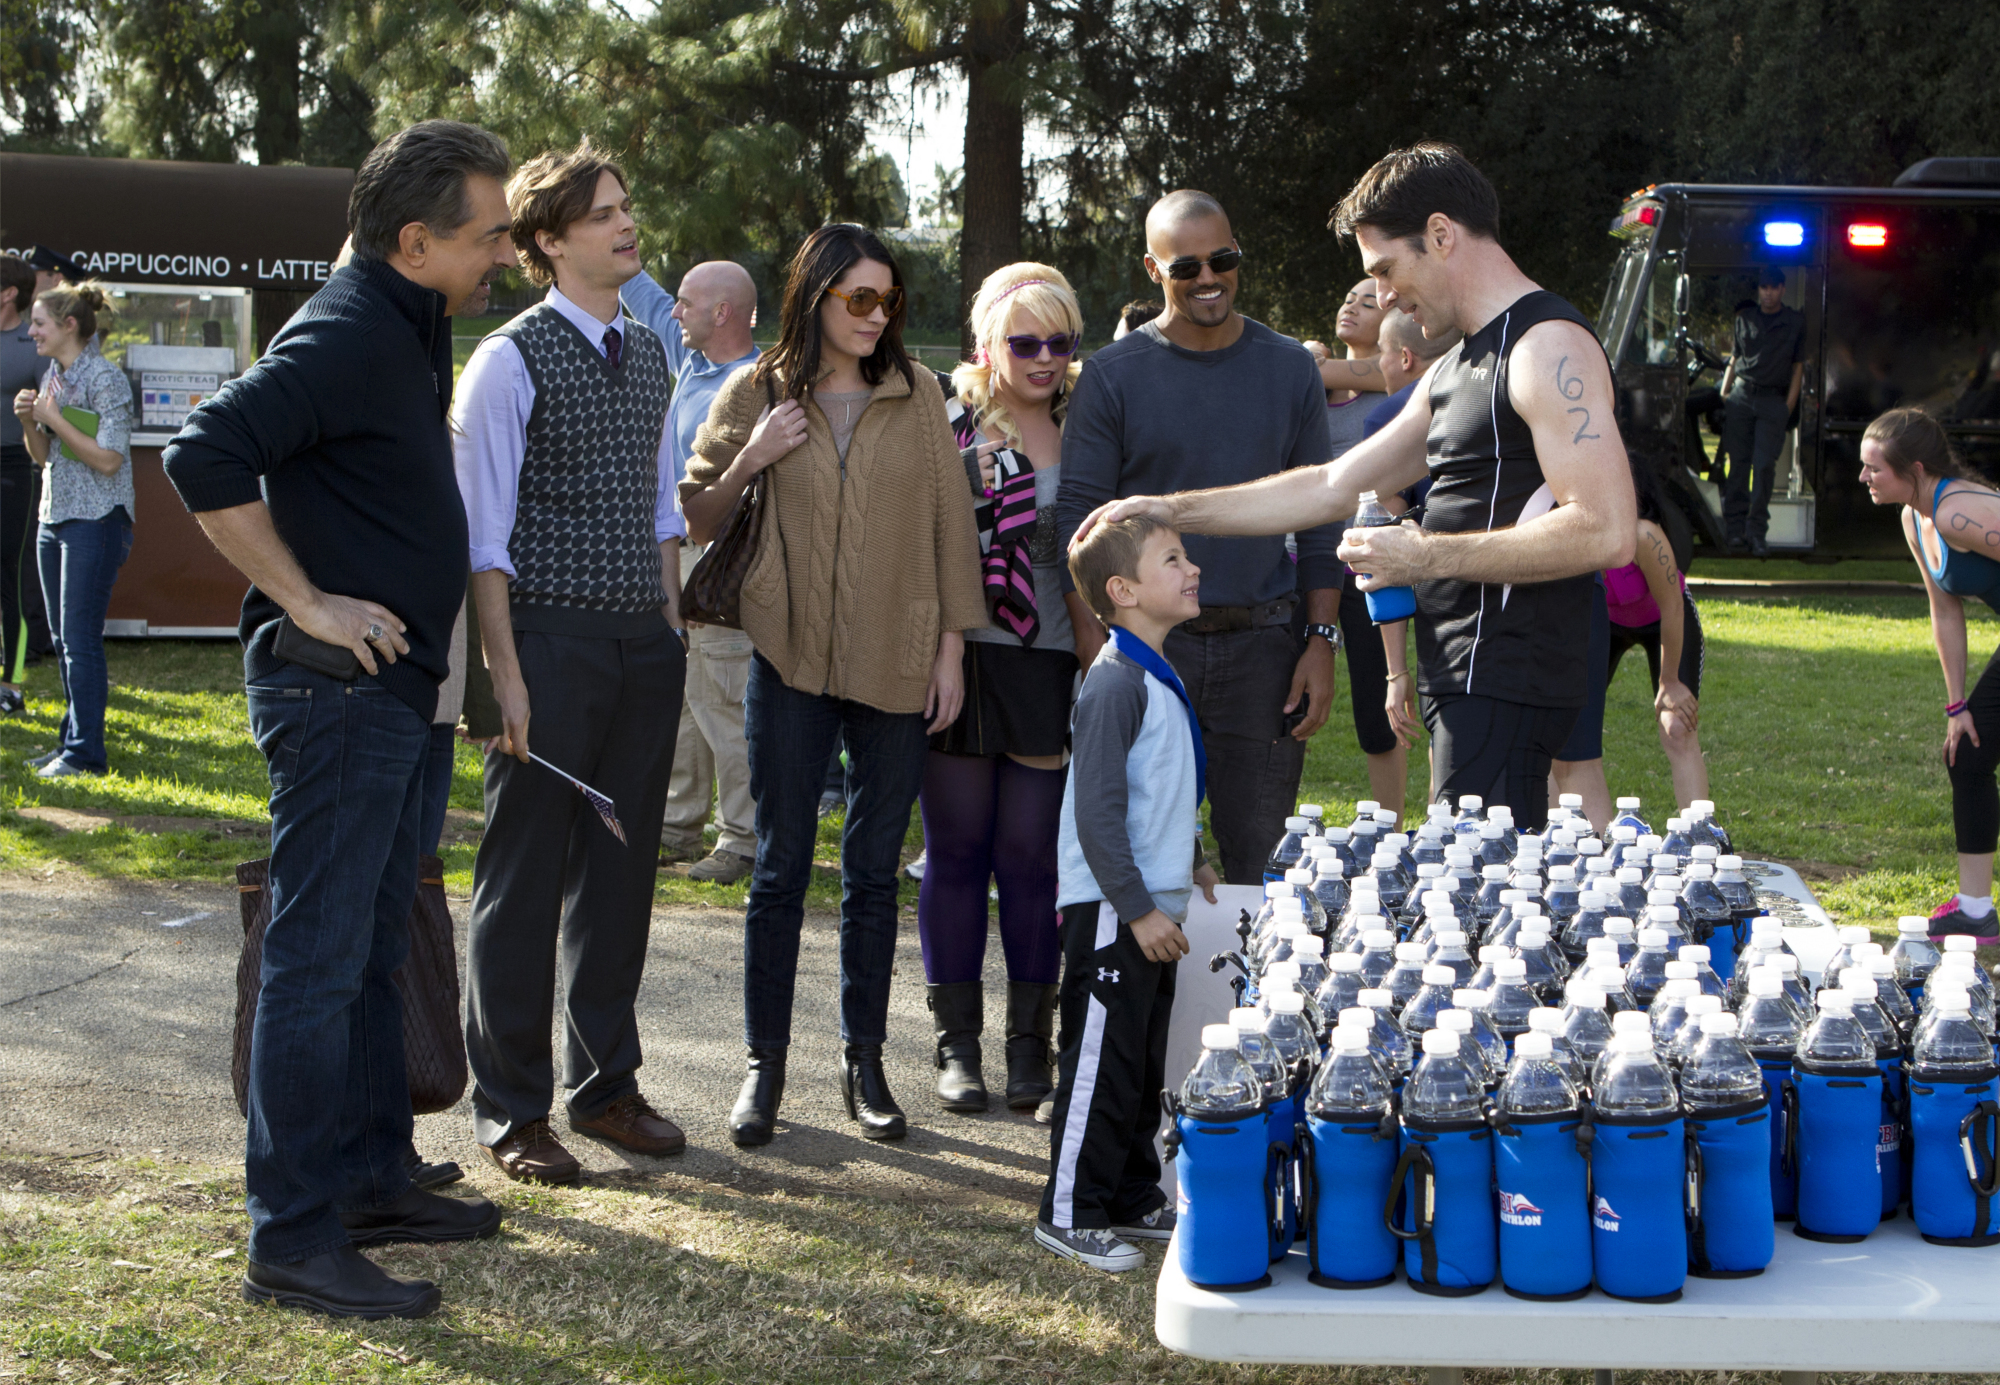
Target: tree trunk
[[995, 188], [275, 37]]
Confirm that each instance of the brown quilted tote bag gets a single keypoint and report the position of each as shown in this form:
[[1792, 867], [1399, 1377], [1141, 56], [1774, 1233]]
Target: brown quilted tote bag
[[427, 982], [713, 592]]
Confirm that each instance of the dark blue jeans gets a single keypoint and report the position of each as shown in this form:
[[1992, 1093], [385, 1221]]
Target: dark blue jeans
[[329, 1101], [440, 760], [791, 734], [79, 559]]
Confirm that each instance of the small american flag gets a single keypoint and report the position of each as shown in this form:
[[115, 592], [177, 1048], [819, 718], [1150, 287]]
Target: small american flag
[[606, 809]]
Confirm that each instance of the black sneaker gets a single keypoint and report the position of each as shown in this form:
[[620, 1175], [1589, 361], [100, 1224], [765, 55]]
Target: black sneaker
[[1950, 921], [13, 702]]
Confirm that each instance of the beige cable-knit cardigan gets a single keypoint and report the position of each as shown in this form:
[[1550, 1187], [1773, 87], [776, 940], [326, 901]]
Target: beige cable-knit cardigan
[[857, 573]]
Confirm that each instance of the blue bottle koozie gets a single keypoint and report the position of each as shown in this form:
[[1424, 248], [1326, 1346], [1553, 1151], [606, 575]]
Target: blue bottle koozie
[[1282, 1184], [1448, 1229], [1731, 1233], [1889, 1144], [1350, 1171], [1955, 1155], [1784, 1176], [1837, 1129], [1638, 1217], [1543, 1180], [1220, 1139]]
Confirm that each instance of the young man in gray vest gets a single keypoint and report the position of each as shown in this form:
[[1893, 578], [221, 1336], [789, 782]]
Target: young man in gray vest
[[563, 459]]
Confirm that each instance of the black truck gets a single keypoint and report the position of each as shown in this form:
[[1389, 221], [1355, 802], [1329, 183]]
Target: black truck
[[1900, 287]]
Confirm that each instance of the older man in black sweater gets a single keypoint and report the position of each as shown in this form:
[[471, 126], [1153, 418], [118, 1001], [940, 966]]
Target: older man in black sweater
[[325, 474]]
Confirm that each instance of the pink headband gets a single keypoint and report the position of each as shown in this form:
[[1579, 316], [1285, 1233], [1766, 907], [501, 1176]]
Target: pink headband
[[1013, 288]]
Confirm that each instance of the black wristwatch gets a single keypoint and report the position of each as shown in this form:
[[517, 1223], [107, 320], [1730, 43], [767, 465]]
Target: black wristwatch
[[1329, 633]]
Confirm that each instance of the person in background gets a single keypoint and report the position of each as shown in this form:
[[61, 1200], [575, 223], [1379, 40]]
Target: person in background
[[705, 326], [20, 369], [77, 426], [324, 473], [1203, 395], [1760, 388], [562, 452], [993, 787], [1406, 354], [1135, 315], [865, 579], [1950, 518]]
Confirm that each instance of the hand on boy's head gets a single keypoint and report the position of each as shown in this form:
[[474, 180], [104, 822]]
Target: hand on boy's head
[[1122, 509], [1160, 938]]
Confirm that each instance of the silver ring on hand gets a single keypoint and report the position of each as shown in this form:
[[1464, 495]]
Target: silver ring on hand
[[375, 634]]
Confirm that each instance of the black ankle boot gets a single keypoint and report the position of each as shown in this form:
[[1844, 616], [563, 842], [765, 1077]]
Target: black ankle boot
[[755, 1117], [866, 1089], [958, 1010], [1031, 1025]]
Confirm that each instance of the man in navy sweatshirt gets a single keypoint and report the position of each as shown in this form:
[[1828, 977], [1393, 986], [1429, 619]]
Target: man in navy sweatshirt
[[324, 473]]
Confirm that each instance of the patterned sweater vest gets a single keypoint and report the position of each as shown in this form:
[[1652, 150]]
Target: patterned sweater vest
[[583, 526]]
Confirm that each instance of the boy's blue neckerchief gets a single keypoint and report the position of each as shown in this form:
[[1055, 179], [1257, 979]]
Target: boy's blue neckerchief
[[1142, 654]]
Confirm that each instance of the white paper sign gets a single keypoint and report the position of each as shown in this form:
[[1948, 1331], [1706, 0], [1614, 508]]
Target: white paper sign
[[166, 396]]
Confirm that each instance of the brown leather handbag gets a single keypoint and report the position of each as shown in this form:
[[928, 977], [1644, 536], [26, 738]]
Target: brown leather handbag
[[713, 592], [427, 982]]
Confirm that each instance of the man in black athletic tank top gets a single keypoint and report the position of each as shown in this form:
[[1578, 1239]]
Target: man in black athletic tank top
[[1531, 492]]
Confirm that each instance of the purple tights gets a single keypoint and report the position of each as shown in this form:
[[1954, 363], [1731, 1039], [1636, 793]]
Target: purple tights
[[987, 817]]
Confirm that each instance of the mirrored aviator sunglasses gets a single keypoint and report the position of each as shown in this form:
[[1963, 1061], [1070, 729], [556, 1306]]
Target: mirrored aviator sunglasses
[[1187, 266], [1060, 345], [862, 302]]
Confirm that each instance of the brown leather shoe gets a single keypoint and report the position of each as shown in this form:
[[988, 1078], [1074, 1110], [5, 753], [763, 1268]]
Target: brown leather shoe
[[631, 1122], [533, 1154]]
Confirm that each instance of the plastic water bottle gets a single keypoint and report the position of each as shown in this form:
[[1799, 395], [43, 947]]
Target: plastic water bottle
[[1592, 909], [1282, 979], [1888, 1041], [1548, 1021], [1289, 848], [1638, 1217], [1300, 878], [1680, 1046], [1310, 954], [1647, 971], [1256, 1049], [1842, 955], [1729, 1115], [1561, 849], [1951, 1082], [1222, 1236], [1543, 964], [1914, 955], [1341, 841], [1512, 1001], [1378, 956], [1386, 1038], [1541, 1177], [1771, 1028], [1451, 953], [1489, 953], [1839, 1086], [1669, 1011], [1420, 1014], [1623, 1022], [1407, 977], [1428, 847], [1697, 956], [1981, 985], [1477, 1006], [1449, 1232], [1388, 603], [1353, 1166], [1666, 911], [1342, 985], [1601, 969], [1430, 876], [1493, 849], [1563, 896], [1627, 815], [1890, 995], [1387, 873], [1705, 905], [1586, 1024], [1463, 873], [1632, 899]]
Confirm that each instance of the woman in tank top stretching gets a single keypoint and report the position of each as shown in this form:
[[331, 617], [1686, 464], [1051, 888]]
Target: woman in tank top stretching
[[1951, 520]]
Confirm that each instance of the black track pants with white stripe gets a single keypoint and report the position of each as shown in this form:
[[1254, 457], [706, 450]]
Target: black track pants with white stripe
[[1103, 1168]]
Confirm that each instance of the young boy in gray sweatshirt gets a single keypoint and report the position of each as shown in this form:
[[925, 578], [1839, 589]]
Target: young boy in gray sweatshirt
[[1128, 858]]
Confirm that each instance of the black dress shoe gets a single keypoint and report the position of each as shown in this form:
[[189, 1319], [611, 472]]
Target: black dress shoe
[[430, 1176], [866, 1089], [342, 1283], [755, 1117], [418, 1217]]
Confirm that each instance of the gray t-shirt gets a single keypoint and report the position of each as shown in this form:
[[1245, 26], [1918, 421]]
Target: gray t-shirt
[[20, 369], [1047, 556], [843, 415], [1347, 423]]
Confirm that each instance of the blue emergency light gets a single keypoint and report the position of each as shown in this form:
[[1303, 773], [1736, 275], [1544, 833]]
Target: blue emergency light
[[1785, 235]]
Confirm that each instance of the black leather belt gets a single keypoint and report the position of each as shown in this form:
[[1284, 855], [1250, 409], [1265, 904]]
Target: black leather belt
[[1220, 620]]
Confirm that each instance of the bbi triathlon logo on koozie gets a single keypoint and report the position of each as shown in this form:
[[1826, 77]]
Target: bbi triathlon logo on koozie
[[1516, 1210], [1602, 1216]]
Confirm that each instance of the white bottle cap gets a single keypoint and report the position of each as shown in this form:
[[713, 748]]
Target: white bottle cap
[[1460, 1019], [1494, 952], [1344, 962], [1956, 961], [1683, 971], [1439, 976], [1684, 987], [1387, 817], [1837, 1001], [1500, 812], [1631, 1040], [1276, 889], [1290, 928], [1410, 952], [1913, 925], [1959, 942], [1721, 1022], [1533, 1045], [1529, 908], [1247, 1017], [1384, 856], [1701, 870], [1703, 806], [1704, 1004], [1864, 951], [1438, 902], [1287, 970], [1311, 810], [1662, 898], [1627, 833], [1494, 873], [1458, 855], [1339, 834], [1288, 907], [1491, 831], [1764, 981], [1785, 962], [1470, 803], [1950, 1002], [1512, 896], [1882, 966], [1663, 913], [1666, 861], [1544, 1019], [1653, 938], [1288, 1002], [1617, 928], [1366, 808], [1357, 1016], [1561, 873], [1450, 937], [1589, 846], [1512, 969], [1310, 946], [1430, 870], [1375, 998], [1601, 947], [1728, 861], [1631, 1022], [1350, 1040], [1218, 1036], [1862, 987], [1297, 824], [1571, 801], [1852, 934], [1764, 925], [1624, 803], [1676, 824], [1532, 939], [1585, 997], [1693, 952], [1298, 875], [1374, 938], [1440, 1041], [1630, 875]]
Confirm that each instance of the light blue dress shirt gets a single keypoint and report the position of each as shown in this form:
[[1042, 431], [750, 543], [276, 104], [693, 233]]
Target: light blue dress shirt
[[697, 379]]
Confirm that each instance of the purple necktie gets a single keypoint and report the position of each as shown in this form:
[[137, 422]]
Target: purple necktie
[[614, 347]]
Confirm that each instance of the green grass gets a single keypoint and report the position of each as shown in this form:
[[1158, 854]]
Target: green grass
[[1819, 717]]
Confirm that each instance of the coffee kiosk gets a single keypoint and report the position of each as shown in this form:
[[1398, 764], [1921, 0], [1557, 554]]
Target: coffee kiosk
[[204, 263]]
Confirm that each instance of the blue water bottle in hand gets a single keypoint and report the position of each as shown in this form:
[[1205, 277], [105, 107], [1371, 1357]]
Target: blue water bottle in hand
[[1389, 603]]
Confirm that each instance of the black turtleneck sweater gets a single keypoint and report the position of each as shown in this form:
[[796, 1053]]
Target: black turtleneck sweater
[[340, 427]]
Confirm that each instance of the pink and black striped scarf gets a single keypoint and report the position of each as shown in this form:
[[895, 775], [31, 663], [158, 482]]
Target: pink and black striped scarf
[[1006, 520]]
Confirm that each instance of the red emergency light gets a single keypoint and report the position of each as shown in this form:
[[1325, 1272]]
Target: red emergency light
[[1867, 235], [1649, 216]]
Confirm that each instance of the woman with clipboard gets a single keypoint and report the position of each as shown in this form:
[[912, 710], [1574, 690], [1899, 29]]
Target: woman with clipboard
[[78, 426]]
